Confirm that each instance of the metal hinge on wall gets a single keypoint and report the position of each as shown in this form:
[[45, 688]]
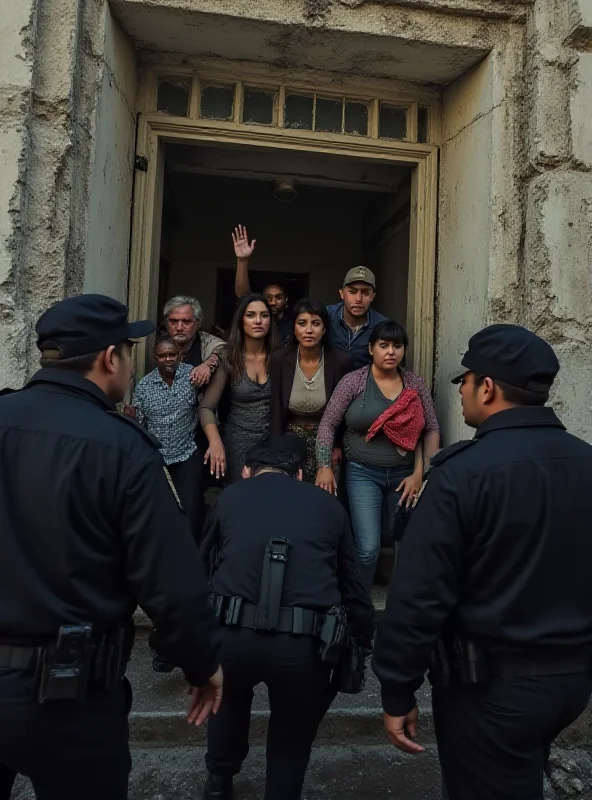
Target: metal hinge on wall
[[141, 163]]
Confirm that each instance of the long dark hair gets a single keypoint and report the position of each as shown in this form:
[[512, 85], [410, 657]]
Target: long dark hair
[[315, 308], [235, 350]]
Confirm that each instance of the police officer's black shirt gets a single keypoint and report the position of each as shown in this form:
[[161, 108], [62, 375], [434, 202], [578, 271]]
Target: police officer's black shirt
[[90, 527], [322, 569], [499, 546]]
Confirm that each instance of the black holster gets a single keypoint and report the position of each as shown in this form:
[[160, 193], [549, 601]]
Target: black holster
[[333, 635], [78, 662], [349, 675]]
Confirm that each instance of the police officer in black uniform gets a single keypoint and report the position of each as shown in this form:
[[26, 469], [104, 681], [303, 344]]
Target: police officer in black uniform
[[493, 582], [280, 554], [89, 527]]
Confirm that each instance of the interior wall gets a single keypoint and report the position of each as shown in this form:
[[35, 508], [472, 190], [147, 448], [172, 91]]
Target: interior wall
[[392, 274], [106, 258], [387, 226], [321, 232]]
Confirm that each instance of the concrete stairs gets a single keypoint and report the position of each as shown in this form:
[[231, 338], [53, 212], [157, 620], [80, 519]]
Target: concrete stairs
[[352, 759]]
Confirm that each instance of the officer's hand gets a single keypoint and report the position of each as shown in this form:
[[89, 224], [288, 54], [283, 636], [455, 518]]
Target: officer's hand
[[200, 375], [216, 455], [205, 700], [326, 480], [401, 730], [410, 487]]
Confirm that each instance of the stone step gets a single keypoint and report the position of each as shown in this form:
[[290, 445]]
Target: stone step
[[158, 715], [335, 773]]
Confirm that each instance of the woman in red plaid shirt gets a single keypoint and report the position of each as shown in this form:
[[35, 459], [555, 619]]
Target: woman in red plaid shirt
[[391, 432]]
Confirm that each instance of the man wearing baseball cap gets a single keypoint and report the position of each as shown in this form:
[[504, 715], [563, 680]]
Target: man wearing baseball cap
[[90, 527], [492, 590], [353, 319]]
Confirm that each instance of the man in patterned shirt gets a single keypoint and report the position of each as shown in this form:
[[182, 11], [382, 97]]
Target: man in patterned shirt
[[165, 403]]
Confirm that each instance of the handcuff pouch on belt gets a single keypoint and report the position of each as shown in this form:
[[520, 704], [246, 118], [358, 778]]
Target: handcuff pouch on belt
[[77, 662], [458, 661]]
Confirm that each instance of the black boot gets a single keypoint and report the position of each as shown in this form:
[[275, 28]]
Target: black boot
[[217, 787], [160, 664]]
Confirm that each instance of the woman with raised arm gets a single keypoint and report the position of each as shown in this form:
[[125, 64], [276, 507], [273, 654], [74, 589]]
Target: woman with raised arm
[[391, 433], [245, 374], [303, 378]]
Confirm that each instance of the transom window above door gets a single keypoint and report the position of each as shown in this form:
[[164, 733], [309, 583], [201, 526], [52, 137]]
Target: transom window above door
[[292, 108]]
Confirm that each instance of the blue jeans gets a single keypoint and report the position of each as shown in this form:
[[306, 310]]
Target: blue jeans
[[367, 488]]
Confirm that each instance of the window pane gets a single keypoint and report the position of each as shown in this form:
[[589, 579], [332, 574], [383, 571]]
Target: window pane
[[258, 106], [393, 122], [299, 112], [217, 102], [356, 118], [173, 96], [422, 125], [328, 115]]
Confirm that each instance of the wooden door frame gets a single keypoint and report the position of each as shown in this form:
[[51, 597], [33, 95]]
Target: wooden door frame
[[154, 130]]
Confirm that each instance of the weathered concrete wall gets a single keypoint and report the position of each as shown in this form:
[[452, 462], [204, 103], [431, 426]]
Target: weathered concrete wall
[[515, 221], [53, 68], [480, 217], [107, 246], [17, 39], [558, 232]]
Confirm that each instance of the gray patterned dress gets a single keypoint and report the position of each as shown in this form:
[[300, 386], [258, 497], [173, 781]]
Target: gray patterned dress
[[247, 423]]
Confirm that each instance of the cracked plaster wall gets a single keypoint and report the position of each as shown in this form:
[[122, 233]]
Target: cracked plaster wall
[[107, 245], [558, 227], [515, 216], [54, 74]]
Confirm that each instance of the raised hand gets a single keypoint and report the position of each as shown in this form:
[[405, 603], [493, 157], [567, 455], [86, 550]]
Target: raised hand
[[240, 239]]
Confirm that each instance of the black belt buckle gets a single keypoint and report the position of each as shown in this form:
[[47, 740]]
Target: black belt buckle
[[278, 549], [233, 611]]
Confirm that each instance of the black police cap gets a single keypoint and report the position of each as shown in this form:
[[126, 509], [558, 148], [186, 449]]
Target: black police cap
[[85, 324], [286, 452], [511, 354]]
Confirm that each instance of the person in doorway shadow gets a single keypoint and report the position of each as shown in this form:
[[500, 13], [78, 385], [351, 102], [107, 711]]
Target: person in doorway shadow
[[275, 294]]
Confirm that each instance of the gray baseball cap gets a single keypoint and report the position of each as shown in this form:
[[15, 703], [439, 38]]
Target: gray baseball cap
[[362, 274]]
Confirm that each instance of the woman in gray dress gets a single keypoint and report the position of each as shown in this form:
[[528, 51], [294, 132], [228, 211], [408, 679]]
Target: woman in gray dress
[[245, 372]]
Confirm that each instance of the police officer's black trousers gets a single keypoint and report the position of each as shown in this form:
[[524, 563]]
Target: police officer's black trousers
[[494, 741], [69, 750], [299, 696]]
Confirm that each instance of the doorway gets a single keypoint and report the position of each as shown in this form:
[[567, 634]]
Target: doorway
[[357, 201], [313, 217]]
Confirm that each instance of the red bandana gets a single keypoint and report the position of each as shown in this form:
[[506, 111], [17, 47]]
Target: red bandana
[[403, 421]]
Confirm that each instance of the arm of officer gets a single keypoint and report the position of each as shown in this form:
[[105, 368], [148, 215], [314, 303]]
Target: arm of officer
[[164, 568], [423, 592], [354, 595]]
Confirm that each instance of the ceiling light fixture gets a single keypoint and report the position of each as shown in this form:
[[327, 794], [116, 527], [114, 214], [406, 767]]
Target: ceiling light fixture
[[284, 190]]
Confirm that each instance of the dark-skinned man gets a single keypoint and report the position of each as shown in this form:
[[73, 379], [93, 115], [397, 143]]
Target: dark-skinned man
[[90, 526], [352, 320], [165, 402], [492, 587]]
